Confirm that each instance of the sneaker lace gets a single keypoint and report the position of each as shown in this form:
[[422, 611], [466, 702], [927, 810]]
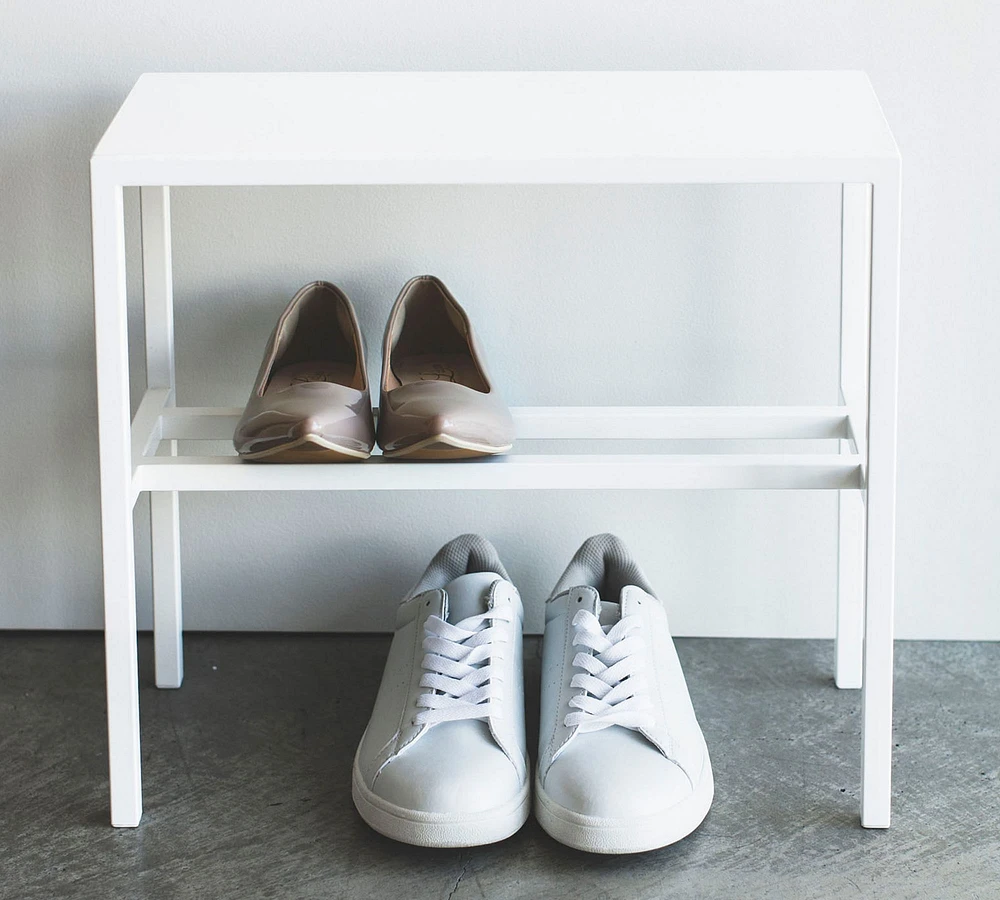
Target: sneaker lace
[[613, 689], [458, 667]]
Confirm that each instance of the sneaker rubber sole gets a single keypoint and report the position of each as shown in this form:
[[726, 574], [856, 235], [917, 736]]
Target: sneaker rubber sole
[[425, 829], [631, 835]]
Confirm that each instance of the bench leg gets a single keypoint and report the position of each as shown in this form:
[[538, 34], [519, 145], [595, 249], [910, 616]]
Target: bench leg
[[111, 333], [876, 766]]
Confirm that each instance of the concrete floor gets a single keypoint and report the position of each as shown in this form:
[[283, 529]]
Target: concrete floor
[[247, 781]]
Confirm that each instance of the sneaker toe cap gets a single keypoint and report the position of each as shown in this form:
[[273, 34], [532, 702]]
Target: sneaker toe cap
[[450, 770], [615, 774]]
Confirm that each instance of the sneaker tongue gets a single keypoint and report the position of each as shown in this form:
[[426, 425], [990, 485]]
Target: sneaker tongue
[[610, 614], [468, 595], [607, 613]]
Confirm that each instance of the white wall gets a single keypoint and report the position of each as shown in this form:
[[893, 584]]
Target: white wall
[[681, 295]]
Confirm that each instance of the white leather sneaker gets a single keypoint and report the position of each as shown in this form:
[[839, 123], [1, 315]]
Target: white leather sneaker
[[443, 761], [622, 763]]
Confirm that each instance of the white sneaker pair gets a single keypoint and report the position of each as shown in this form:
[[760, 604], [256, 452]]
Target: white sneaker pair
[[622, 763]]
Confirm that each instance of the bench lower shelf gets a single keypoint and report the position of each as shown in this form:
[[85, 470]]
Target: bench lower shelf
[[157, 421]]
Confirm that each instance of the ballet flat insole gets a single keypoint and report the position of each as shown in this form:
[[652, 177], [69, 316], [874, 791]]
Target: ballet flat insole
[[457, 368], [317, 370]]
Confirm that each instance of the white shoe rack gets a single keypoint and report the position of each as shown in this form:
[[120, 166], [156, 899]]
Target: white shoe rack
[[504, 128]]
